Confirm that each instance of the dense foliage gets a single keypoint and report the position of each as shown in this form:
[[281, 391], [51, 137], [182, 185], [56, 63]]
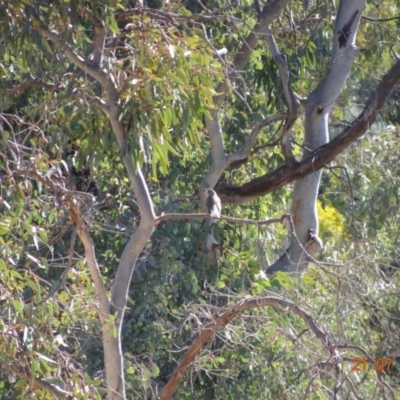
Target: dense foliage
[[55, 134]]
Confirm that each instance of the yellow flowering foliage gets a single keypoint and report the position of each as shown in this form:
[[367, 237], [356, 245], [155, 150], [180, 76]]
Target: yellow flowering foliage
[[331, 222]]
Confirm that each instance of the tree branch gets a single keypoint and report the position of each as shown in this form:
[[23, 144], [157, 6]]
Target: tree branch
[[53, 87], [320, 157], [270, 12], [74, 57], [98, 43], [169, 16], [167, 217], [246, 150], [291, 101], [112, 346], [99, 102], [224, 318], [56, 391], [219, 160], [317, 110], [375, 20]]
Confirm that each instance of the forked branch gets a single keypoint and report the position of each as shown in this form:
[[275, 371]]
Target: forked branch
[[320, 157], [224, 318]]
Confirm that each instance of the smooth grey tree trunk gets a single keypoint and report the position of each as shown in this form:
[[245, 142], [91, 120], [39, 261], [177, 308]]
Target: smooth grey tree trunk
[[316, 134]]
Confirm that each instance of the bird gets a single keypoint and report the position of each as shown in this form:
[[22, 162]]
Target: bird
[[213, 204]]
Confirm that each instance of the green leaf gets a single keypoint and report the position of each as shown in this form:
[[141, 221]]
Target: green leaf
[[4, 228], [44, 357], [307, 279], [220, 284], [18, 306], [112, 24]]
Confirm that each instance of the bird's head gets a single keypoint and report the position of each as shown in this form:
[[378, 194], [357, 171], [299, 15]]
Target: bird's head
[[209, 192]]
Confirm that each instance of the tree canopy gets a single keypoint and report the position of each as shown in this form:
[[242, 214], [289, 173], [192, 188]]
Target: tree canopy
[[114, 118]]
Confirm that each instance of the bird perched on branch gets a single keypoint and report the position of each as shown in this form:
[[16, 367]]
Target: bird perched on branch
[[213, 204]]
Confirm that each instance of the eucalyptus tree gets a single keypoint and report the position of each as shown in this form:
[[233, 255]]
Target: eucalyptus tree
[[129, 96]]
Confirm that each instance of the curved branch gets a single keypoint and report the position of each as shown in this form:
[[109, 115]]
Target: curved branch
[[375, 20], [224, 318], [99, 102], [320, 157], [73, 56], [248, 145], [56, 391]]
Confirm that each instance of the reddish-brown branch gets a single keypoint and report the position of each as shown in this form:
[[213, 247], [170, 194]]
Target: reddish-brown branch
[[320, 157], [225, 318]]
